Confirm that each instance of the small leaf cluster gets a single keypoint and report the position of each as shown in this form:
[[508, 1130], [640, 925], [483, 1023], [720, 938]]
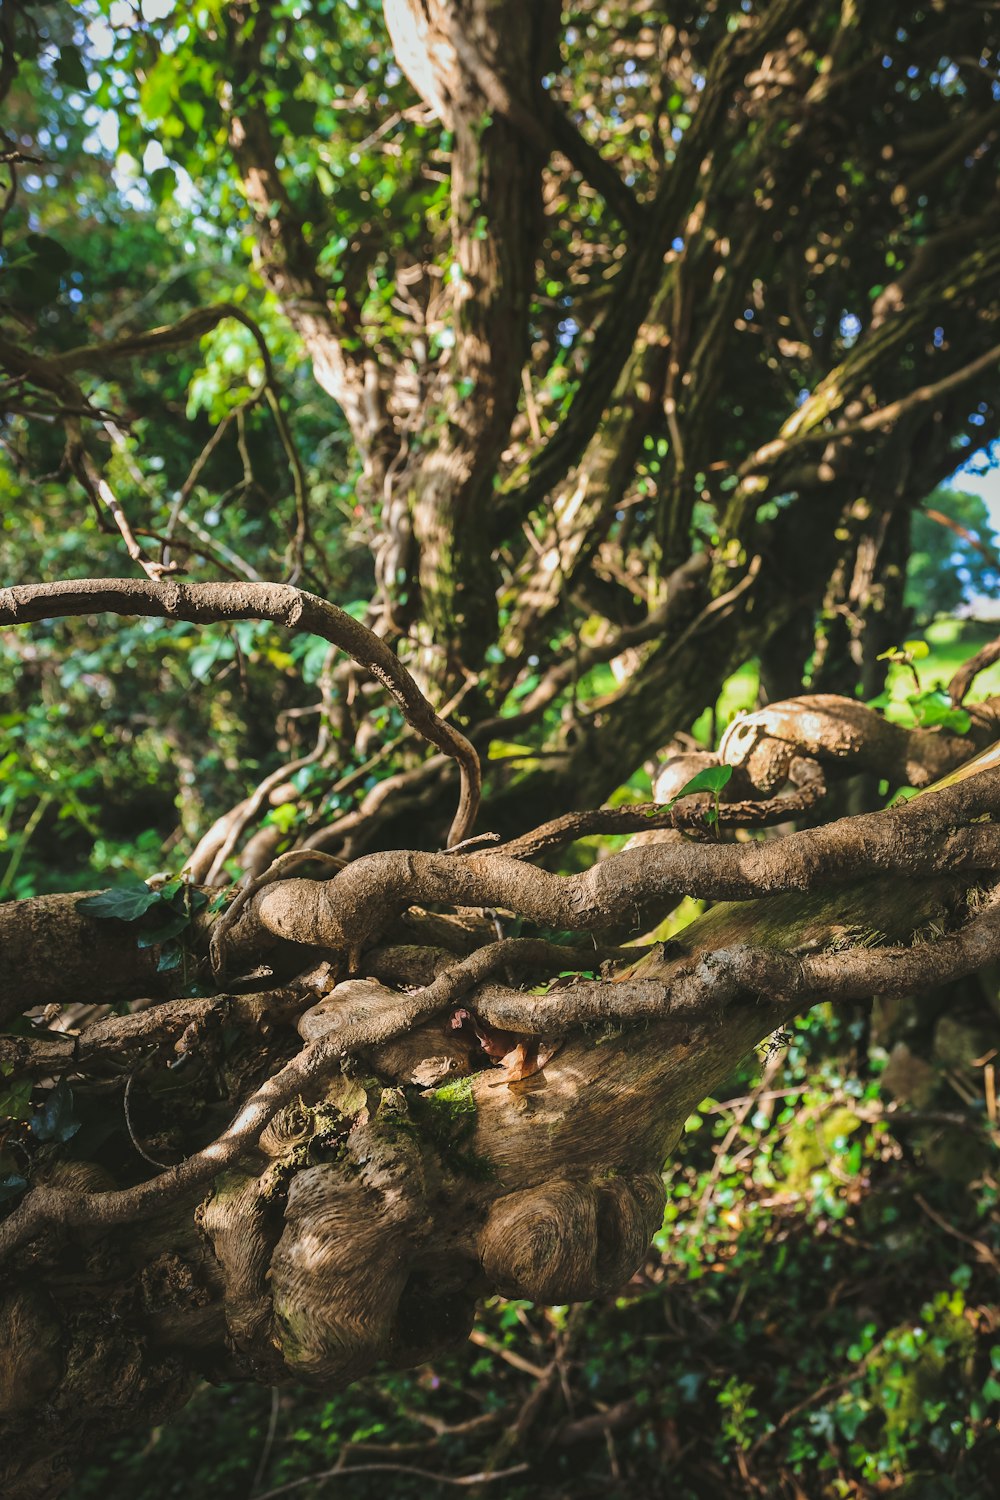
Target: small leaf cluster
[[162, 914], [927, 708]]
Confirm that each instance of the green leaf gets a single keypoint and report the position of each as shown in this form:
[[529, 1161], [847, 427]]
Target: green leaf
[[161, 183], [157, 92], [124, 903], [57, 1119], [285, 816], [48, 252], [70, 68], [916, 650], [933, 709], [174, 922], [203, 658], [170, 958], [298, 116], [712, 779]]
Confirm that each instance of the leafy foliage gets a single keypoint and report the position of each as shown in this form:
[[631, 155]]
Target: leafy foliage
[[955, 555], [807, 1319], [124, 903]]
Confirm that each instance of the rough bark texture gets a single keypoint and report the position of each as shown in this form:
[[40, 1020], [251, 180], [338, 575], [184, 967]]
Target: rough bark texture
[[380, 1173], [361, 1123], [374, 1210]]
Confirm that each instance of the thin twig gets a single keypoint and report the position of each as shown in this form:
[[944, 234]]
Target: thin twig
[[460, 1482]]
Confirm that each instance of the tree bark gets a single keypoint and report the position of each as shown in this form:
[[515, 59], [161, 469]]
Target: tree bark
[[374, 1211]]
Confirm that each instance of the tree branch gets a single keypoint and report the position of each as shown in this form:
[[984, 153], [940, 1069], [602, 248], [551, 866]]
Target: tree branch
[[209, 603], [342, 916]]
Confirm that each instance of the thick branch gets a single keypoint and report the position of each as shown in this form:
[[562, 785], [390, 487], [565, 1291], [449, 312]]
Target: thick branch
[[346, 913], [963, 679], [358, 1028], [641, 271], [745, 972]]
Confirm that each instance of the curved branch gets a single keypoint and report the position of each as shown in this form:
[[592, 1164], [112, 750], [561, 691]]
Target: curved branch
[[53, 1207], [878, 420], [345, 914], [646, 816], [963, 679], [746, 971], [251, 806], [684, 589], [210, 603], [193, 325]]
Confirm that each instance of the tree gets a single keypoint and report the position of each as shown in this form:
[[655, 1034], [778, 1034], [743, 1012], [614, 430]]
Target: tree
[[954, 556], [648, 336]]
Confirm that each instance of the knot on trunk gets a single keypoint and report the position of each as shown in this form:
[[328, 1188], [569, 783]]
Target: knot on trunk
[[569, 1241]]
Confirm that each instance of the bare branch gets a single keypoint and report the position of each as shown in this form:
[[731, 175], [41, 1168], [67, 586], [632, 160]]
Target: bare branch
[[209, 603], [642, 817], [922, 837], [963, 679]]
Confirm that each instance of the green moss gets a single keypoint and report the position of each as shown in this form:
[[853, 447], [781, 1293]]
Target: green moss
[[811, 1143], [455, 1099], [919, 1367], [447, 1117]]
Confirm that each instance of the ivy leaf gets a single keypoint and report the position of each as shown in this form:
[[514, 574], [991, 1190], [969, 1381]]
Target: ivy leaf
[[170, 957], [126, 903], [173, 922], [57, 1119]]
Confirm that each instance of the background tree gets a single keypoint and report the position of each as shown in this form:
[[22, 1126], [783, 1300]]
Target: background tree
[[953, 555], [642, 336]]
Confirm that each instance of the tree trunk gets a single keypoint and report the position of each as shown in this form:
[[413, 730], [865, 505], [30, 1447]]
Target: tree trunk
[[376, 1209]]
